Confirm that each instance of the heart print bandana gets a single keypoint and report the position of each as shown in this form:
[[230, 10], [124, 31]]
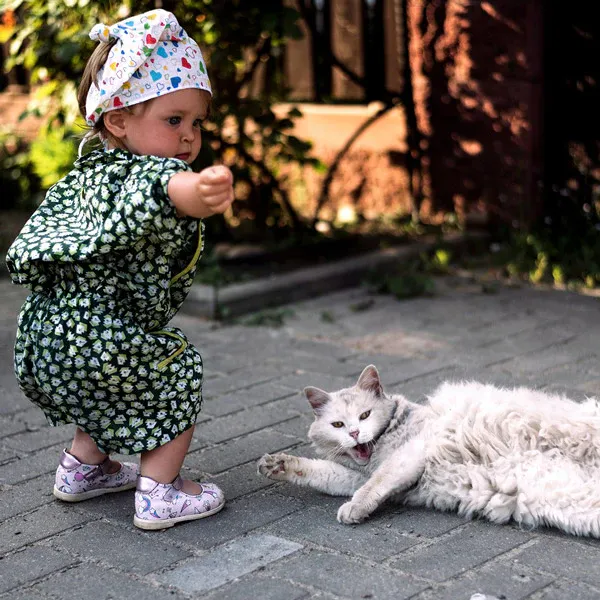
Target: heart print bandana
[[153, 56]]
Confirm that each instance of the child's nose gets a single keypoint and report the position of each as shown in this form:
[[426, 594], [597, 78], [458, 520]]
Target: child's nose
[[188, 134]]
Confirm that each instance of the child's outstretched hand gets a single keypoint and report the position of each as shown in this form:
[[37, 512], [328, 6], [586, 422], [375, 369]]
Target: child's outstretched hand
[[202, 194]]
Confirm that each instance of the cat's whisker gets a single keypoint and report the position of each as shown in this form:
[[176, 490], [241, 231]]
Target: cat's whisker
[[336, 452]]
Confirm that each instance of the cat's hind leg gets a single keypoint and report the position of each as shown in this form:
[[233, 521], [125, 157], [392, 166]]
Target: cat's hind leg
[[561, 493], [397, 474], [323, 475]]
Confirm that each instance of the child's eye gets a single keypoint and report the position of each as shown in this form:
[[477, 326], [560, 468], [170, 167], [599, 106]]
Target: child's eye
[[364, 415], [198, 123], [337, 424], [174, 120]]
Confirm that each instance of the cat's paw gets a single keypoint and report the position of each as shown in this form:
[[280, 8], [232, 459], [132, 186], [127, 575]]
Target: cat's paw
[[351, 512], [280, 467]]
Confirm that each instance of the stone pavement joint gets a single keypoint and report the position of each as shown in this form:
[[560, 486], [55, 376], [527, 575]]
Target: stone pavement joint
[[277, 542]]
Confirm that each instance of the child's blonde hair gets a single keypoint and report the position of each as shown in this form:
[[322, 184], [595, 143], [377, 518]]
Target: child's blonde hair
[[90, 76]]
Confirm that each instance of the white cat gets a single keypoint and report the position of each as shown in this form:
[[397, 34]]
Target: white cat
[[480, 450]]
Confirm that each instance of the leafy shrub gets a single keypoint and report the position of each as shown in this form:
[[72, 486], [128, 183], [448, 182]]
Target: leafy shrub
[[20, 185]]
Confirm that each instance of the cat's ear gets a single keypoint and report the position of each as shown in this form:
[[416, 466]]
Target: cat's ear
[[317, 398], [369, 381]]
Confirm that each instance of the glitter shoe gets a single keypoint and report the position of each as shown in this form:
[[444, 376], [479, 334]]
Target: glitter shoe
[[158, 505], [76, 481]]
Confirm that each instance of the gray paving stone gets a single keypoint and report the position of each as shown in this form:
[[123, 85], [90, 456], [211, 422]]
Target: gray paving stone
[[125, 549], [330, 504], [297, 427], [298, 381], [503, 326], [321, 348], [244, 378], [31, 564], [418, 388], [16, 499], [31, 465], [31, 441], [87, 582], [320, 527], [302, 362], [252, 350], [415, 368], [238, 518], [589, 388], [575, 374], [25, 593], [242, 480], [247, 421], [226, 364], [260, 588], [254, 396], [494, 580], [32, 419], [244, 338], [566, 557], [347, 577], [7, 454], [465, 549], [549, 358], [39, 524], [198, 441], [118, 508], [566, 590], [421, 521], [527, 347], [15, 400], [228, 562], [239, 451]]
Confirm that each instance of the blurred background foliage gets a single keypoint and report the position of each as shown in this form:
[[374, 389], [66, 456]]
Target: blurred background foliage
[[243, 38]]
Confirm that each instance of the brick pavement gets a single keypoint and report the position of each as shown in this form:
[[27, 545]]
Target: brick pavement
[[276, 542]]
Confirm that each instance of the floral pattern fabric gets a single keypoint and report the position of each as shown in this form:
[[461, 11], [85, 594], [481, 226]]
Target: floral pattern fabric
[[109, 263]]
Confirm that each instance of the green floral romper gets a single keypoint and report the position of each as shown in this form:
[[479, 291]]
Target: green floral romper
[[109, 263]]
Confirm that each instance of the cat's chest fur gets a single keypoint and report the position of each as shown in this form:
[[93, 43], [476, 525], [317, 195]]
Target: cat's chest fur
[[405, 424]]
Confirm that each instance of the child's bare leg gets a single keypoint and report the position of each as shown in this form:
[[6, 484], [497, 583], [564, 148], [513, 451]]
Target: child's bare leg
[[85, 450], [164, 463]]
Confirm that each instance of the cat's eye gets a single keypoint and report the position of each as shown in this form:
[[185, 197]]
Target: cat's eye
[[365, 415], [337, 424]]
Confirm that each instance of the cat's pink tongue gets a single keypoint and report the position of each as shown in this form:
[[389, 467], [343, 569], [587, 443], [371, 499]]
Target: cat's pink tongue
[[363, 450]]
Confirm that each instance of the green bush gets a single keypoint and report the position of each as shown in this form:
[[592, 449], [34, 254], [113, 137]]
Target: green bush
[[52, 154], [20, 185]]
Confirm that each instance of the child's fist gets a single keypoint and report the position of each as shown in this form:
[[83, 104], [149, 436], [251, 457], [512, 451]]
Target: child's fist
[[215, 186], [203, 194]]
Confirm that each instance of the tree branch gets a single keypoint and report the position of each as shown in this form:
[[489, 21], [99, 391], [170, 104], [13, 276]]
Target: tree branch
[[263, 49], [266, 172], [324, 194]]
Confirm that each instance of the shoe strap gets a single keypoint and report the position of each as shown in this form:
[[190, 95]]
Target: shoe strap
[[99, 471], [174, 488]]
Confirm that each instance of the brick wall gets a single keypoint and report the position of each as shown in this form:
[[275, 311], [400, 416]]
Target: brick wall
[[477, 71]]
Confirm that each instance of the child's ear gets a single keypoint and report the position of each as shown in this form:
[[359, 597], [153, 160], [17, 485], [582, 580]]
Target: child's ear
[[115, 122]]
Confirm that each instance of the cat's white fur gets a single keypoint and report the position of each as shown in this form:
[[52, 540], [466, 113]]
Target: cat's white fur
[[501, 454]]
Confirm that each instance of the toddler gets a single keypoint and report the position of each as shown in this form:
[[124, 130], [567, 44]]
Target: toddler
[[110, 256]]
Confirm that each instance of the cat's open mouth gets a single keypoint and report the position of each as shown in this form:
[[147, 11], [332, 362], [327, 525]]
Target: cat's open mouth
[[361, 452]]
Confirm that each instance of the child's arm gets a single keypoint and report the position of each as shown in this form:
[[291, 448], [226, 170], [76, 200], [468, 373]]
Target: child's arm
[[203, 194]]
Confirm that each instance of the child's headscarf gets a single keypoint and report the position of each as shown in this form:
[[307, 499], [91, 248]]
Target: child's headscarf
[[153, 56]]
